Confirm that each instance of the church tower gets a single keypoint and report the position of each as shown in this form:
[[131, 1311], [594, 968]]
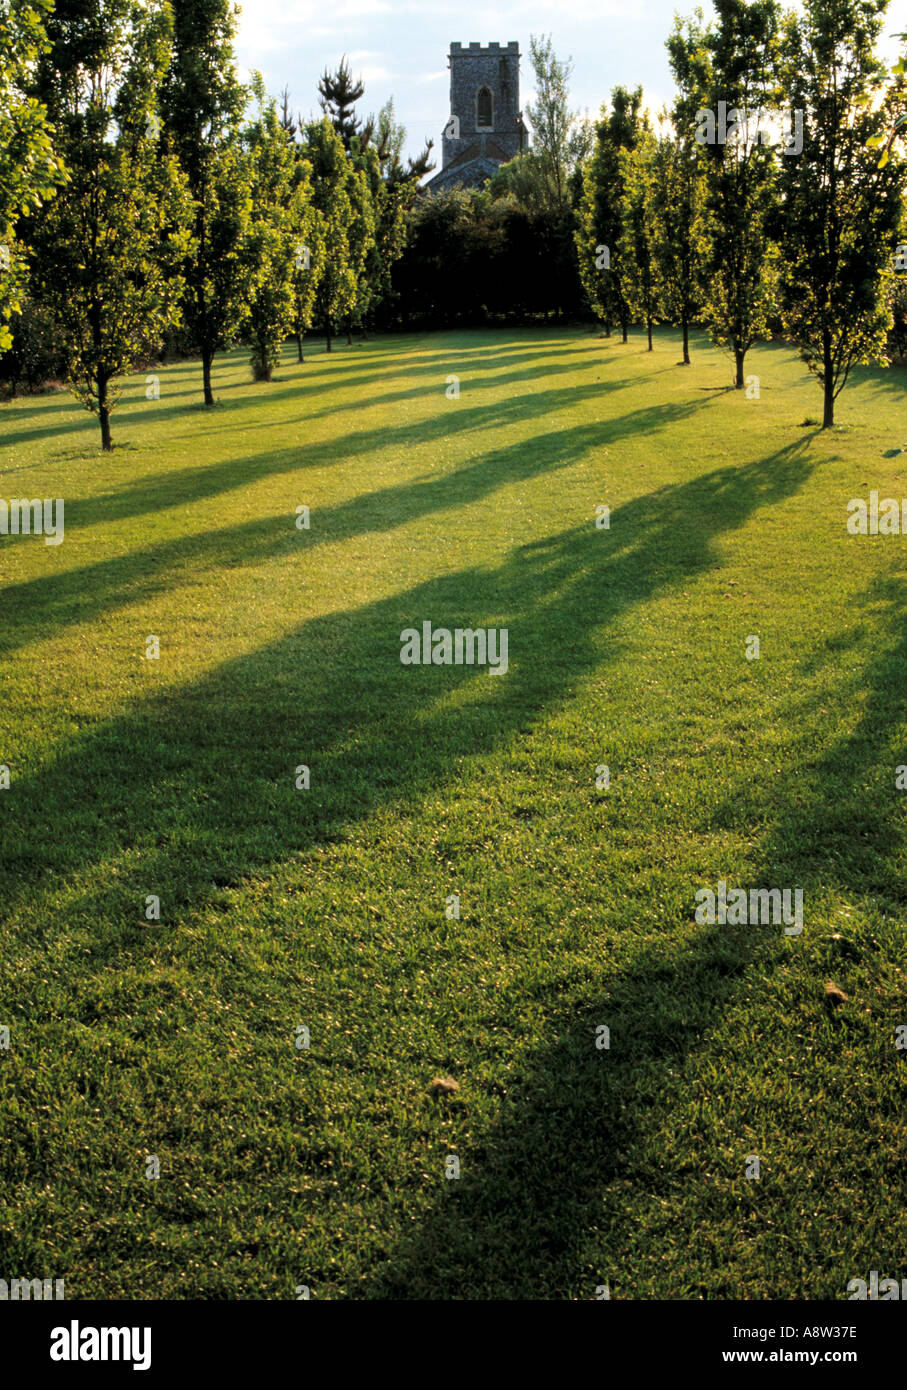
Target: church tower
[[485, 127]]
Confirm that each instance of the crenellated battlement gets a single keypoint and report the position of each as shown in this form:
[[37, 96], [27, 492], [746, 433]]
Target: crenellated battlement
[[496, 48]]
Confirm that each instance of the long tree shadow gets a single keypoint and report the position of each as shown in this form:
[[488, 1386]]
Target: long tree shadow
[[838, 819], [158, 783], [517, 1223], [193, 789], [332, 377], [43, 606], [209, 480]]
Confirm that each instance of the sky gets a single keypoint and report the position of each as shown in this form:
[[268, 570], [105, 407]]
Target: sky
[[400, 48]]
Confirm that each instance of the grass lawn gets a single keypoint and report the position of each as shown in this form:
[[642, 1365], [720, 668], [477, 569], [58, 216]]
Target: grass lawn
[[280, 1165]]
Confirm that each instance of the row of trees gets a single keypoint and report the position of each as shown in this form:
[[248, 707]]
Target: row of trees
[[724, 226], [703, 218], [137, 194], [146, 193]]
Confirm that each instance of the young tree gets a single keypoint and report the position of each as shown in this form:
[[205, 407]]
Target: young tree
[[201, 106], [389, 204], [108, 249], [841, 209], [363, 176], [739, 66], [636, 244], [679, 182], [388, 140], [560, 139], [308, 265], [336, 292], [281, 195], [676, 210], [601, 211], [29, 168]]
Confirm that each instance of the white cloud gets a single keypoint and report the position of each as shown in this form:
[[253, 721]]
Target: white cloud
[[266, 26]]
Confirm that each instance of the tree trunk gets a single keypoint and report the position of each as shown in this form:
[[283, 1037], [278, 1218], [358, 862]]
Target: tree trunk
[[623, 329], [104, 416], [607, 328], [299, 347], [686, 341], [649, 327], [206, 376], [349, 330], [828, 413], [738, 359], [327, 334]]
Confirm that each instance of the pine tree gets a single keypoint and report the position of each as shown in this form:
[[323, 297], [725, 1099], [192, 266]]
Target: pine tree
[[338, 94]]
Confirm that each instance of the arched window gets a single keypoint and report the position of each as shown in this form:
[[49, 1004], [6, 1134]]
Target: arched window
[[484, 110]]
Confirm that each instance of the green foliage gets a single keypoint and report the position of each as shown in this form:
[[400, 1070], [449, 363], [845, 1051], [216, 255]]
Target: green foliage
[[677, 195], [897, 99], [201, 106], [601, 210], [471, 257], [281, 193], [330, 175], [560, 139], [30, 169], [842, 208], [34, 357], [522, 179], [637, 241], [735, 62], [310, 253], [107, 251], [390, 200], [363, 175]]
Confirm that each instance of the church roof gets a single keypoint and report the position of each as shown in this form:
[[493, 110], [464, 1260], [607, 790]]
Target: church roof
[[472, 166]]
